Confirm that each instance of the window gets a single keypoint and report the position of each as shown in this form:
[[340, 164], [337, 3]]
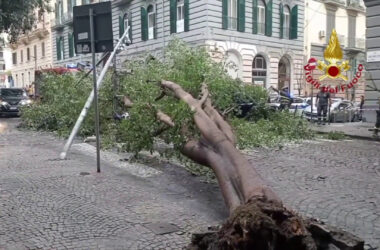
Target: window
[[286, 28], [2, 66], [151, 22], [14, 58], [180, 16], [28, 54], [35, 52], [261, 17], [259, 70], [43, 49], [22, 56], [232, 14], [71, 44], [1, 54], [125, 21], [60, 48]]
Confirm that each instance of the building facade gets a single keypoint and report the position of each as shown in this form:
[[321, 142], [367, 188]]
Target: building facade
[[62, 35], [372, 100], [263, 39], [348, 18], [32, 52], [5, 62]]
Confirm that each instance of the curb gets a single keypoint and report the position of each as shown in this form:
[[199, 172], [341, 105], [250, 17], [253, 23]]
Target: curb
[[359, 137]]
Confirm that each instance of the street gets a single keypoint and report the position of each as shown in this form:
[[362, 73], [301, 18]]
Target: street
[[47, 203]]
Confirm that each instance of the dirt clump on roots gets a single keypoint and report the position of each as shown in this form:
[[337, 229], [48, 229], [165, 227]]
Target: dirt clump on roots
[[268, 225]]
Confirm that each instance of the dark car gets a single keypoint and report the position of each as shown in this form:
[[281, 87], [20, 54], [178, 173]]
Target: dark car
[[11, 99]]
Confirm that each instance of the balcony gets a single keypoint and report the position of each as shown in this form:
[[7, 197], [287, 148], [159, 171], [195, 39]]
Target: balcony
[[342, 40], [335, 2], [356, 44], [354, 5], [58, 24], [68, 18]]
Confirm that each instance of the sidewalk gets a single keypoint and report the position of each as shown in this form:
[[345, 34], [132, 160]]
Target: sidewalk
[[359, 130]]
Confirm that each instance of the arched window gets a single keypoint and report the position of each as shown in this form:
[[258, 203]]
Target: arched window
[[259, 70], [151, 22], [261, 17], [286, 28]]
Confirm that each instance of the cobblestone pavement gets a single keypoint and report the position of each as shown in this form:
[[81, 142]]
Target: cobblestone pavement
[[335, 181], [46, 203]]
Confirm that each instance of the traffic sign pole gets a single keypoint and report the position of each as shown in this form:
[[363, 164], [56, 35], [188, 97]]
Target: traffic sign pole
[[95, 90]]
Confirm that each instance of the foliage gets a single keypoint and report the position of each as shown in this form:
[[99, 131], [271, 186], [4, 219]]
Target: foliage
[[63, 100], [19, 16], [280, 127], [336, 135]]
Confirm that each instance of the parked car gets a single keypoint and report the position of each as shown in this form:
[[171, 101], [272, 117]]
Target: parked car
[[340, 111], [298, 104], [11, 99]]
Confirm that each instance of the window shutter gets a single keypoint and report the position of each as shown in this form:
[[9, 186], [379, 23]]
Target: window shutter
[[187, 14], [173, 16], [294, 23], [130, 26], [254, 17], [121, 26], [268, 18], [58, 47], [155, 22], [70, 39], [241, 16], [62, 47], [281, 21], [144, 24], [224, 14]]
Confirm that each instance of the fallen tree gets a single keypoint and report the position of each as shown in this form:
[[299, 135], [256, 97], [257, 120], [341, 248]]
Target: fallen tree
[[182, 111]]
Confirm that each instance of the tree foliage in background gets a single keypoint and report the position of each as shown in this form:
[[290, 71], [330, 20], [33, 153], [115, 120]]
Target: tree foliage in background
[[63, 99], [19, 16]]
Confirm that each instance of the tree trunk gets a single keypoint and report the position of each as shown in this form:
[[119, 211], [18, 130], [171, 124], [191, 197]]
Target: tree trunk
[[258, 220]]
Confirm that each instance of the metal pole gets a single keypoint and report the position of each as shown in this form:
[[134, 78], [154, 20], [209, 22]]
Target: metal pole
[[95, 90], [312, 97], [90, 98]]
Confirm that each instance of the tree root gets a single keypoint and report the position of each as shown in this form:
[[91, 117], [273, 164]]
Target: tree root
[[267, 225]]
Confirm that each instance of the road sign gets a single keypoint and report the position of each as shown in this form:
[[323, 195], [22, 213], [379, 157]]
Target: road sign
[[102, 28]]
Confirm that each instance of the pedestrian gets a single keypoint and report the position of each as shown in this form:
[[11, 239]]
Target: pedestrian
[[323, 102], [361, 107]]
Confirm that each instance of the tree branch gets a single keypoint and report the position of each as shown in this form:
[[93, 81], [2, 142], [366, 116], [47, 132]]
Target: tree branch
[[205, 94], [127, 102], [164, 118]]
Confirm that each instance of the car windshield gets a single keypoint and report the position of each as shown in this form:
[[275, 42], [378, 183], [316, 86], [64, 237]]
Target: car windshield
[[12, 92]]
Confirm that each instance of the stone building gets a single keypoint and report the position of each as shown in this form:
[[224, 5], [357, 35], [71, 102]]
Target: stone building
[[32, 51], [348, 18], [262, 38], [373, 59], [5, 62]]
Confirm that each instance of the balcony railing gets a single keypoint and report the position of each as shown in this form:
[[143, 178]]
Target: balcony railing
[[232, 23], [68, 17], [354, 42], [261, 28], [335, 2], [354, 4]]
